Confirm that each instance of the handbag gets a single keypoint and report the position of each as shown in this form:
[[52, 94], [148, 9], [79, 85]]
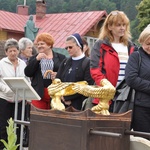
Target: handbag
[[124, 96]]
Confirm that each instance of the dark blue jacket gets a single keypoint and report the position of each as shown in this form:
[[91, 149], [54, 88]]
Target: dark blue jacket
[[82, 73], [138, 78]]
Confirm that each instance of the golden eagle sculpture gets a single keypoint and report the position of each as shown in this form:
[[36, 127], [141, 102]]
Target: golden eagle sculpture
[[105, 93], [58, 89]]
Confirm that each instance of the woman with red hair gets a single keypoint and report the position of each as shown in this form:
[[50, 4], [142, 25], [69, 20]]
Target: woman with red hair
[[46, 59]]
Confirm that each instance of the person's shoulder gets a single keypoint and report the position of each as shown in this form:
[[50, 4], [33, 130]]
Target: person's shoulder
[[132, 47], [56, 54], [132, 44], [102, 43], [67, 60], [86, 58], [21, 61], [97, 44], [61, 56], [33, 57], [86, 61], [4, 59], [98, 41], [135, 55]]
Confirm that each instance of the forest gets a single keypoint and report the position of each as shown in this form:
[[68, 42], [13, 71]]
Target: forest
[[138, 11]]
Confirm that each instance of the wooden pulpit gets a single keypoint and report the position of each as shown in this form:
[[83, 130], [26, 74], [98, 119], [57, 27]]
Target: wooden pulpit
[[78, 130]]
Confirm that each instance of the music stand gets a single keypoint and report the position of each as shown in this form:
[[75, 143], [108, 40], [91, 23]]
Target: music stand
[[23, 91]]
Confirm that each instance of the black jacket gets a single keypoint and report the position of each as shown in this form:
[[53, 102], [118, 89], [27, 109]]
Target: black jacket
[[138, 78], [33, 70], [82, 73]]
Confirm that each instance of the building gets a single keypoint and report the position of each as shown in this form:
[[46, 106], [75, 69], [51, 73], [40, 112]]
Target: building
[[59, 25]]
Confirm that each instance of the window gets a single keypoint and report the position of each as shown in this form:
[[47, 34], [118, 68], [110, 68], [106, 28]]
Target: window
[[91, 41]]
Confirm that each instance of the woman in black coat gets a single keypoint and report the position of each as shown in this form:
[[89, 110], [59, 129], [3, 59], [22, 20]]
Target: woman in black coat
[[46, 59], [75, 68], [138, 78]]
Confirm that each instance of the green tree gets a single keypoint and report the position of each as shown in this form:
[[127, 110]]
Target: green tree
[[86, 4], [117, 4], [8, 5], [134, 30], [129, 7], [143, 14], [54, 6], [75, 6], [102, 5]]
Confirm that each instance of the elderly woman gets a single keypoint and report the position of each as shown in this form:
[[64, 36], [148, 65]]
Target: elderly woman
[[10, 66], [26, 49], [46, 59]]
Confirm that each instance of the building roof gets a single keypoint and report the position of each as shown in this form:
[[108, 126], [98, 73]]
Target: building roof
[[12, 21], [59, 25]]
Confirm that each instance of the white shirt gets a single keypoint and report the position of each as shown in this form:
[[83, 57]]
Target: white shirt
[[7, 70], [122, 51]]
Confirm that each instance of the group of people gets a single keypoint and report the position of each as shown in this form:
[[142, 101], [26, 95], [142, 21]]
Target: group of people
[[113, 57], [22, 60]]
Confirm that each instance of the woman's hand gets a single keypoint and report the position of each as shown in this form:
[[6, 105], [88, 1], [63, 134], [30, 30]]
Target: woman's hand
[[67, 103], [53, 75], [41, 56]]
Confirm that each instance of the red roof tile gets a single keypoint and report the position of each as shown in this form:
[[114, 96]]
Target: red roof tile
[[58, 25], [12, 21]]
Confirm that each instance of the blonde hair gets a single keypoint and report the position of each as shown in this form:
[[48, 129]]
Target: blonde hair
[[145, 35], [112, 19]]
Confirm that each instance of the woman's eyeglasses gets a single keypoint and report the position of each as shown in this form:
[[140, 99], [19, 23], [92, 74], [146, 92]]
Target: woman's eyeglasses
[[69, 47]]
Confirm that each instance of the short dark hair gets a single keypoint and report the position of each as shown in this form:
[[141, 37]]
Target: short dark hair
[[11, 43]]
